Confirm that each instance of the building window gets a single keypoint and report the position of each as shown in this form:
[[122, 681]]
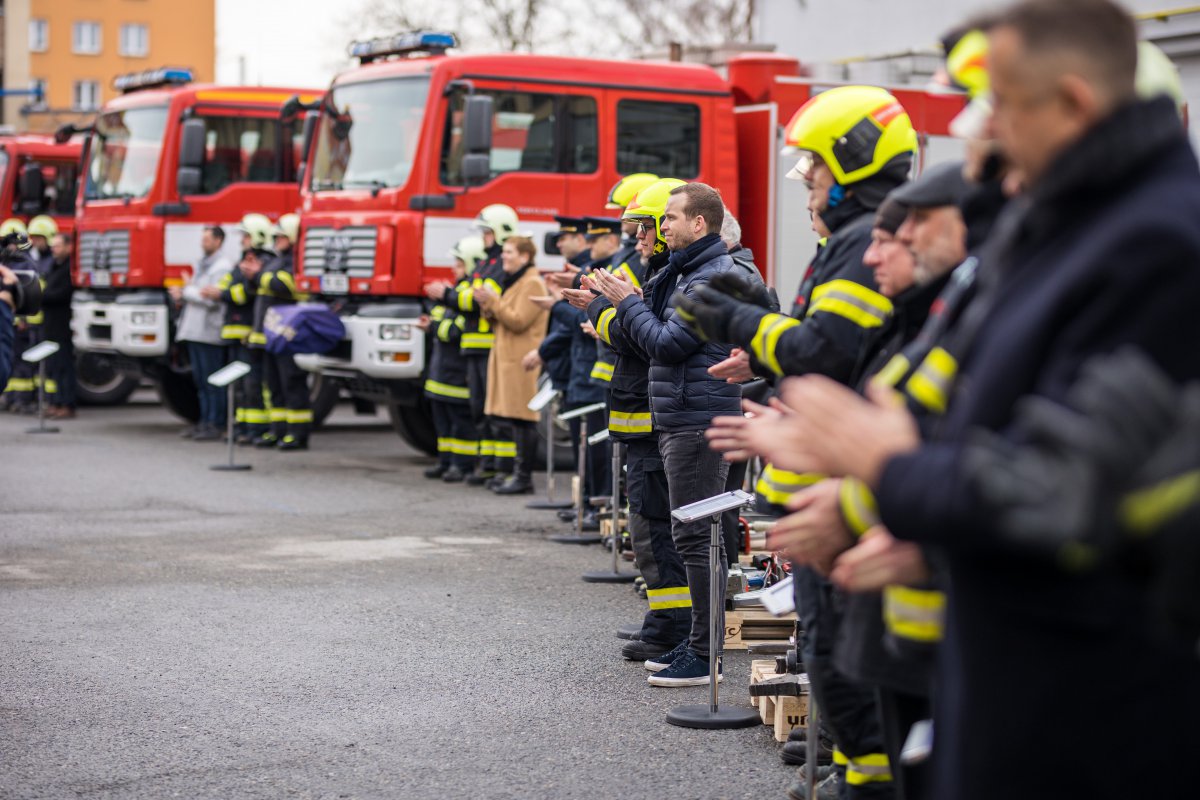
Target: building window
[[86, 96], [86, 38], [135, 40], [39, 99], [657, 137], [39, 35]]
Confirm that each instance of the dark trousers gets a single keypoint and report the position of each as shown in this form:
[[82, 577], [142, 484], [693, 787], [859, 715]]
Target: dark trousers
[[456, 435], [22, 388], [849, 711], [731, 528], [251, 413], [694, 472], [207, 359], [291, 411], [669, 620], [597, 480], [898, 712], [60, 368], [477, 365], [522, 435]]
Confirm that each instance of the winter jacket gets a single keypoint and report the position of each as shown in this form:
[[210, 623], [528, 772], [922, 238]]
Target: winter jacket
[[683, 396], [276, 287], [237, 293], [478, 337], [559, 335], [579, 350], [7, 337], [520, 327], [201, 318], [56, 302], [1101, 254], [446, 376]]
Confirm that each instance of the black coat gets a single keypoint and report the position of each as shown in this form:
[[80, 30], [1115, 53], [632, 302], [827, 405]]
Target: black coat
[[1038, 660], [56, 302], [683, 396]]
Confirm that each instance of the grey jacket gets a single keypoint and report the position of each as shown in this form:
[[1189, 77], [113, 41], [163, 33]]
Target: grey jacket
[[201, 318]]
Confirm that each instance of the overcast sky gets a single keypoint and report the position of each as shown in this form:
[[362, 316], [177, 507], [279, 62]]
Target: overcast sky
[[299, 43]]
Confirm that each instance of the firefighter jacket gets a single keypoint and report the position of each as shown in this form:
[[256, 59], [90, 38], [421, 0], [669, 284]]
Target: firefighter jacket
[[1100, 254], [683, 395], [478, 334], [237, 293], [56, 302], [841, 310], [276, 287], [7, 335], [580, 351], [618, 264], [446, 379], [558, 368], [629, 414]]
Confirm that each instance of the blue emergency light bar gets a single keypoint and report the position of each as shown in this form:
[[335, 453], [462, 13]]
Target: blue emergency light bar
[[163, 76], [403, 44]]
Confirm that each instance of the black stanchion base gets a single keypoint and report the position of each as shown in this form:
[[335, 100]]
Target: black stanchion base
[[609, 577], [724, 718], [570, 538], [42, 430], [549, 505], [231, 467], [629, 631]]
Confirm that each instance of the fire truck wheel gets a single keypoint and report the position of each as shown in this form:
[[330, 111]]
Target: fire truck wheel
[[323, 393], [99, 382], [414, 424], [177, 392]]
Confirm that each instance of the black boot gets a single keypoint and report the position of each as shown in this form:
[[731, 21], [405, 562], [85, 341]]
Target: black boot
[[521, 482]]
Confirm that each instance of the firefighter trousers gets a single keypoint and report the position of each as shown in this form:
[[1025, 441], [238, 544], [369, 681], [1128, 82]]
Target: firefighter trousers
[[21, 391], [250, 412], [849, 711], [669, 619], [485, 432], [898, 712], [291, 410], [455, 434]]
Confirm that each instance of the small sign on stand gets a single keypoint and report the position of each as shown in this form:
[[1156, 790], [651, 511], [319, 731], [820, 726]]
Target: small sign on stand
[[38, 355], [227, 377]]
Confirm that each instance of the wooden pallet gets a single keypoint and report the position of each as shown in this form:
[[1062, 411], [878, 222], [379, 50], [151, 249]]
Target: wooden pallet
[[782, 712], [752, 626]]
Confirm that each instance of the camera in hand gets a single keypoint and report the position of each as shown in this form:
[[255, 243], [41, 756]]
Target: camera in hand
[[26, 288]]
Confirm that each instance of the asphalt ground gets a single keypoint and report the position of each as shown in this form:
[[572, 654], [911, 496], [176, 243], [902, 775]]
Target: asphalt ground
[[327, 625]]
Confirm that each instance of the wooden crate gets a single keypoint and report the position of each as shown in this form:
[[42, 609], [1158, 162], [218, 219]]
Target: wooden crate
[[782, 713], [750, 626]]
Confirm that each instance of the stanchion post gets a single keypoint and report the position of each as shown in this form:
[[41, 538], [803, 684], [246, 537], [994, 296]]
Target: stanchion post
[[225, 378], [581, 471], [712, 716], [615, 576], [38, 355], [548, 397]]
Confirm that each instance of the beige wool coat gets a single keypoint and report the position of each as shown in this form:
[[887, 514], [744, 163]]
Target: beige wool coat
[[520, 327]]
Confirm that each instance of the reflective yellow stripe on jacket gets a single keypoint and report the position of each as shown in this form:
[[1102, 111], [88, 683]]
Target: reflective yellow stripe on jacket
[[604, 324], [930, 384], [859, 510], [777, 486], [915, 614], [602, 371], [852, 301], [770, 328], [630, 422]]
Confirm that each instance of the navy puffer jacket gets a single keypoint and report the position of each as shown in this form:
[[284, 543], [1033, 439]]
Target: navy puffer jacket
[[683, 396]]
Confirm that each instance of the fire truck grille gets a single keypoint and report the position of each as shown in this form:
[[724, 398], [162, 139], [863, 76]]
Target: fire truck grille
[[104, 250], [346, 250]]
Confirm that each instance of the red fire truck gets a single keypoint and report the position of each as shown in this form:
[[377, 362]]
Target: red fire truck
[[39, 175], [412, 143], [162, 161]]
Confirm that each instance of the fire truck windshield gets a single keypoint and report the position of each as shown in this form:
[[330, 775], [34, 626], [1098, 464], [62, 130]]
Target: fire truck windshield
[[368, 134], [124, 153]]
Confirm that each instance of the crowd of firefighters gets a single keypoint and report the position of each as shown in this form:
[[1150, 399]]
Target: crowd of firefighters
[[979, 447], [979, 456]]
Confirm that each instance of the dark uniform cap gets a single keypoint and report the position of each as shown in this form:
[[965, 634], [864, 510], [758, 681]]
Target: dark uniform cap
[[598, 226], [570, 224], [891, 214], [941, 185]]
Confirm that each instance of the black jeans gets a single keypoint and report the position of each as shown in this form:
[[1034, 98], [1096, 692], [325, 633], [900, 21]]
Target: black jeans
[[694, 472], [669, 620]]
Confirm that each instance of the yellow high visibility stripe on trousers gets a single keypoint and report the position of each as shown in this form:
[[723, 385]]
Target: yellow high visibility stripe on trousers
[[487, 447], [853, 301], [770, 328], [868, 768], [602, 371], [447, 390], [630, 422], [257, 337], [237, 332], [914, 614], [505, 449], [252, 416], [19, 385], [278, 415], [669, 597], [299, 416], [460, 447]]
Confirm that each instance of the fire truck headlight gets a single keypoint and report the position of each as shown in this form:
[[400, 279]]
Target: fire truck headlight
[[144, 317], [395, 331]]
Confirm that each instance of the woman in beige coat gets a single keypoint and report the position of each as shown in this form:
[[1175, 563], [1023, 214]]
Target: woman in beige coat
[[520, 327]]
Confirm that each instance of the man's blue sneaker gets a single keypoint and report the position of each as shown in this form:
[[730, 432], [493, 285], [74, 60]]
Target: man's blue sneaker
[[687, 670], [667, 659]]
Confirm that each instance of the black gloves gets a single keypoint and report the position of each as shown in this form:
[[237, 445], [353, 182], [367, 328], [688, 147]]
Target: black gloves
[[742, 290], [710, 312]]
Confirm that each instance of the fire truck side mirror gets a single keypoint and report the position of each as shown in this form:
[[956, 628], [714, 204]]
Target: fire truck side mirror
[[33, 189], [477, 125], [190, 176]]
